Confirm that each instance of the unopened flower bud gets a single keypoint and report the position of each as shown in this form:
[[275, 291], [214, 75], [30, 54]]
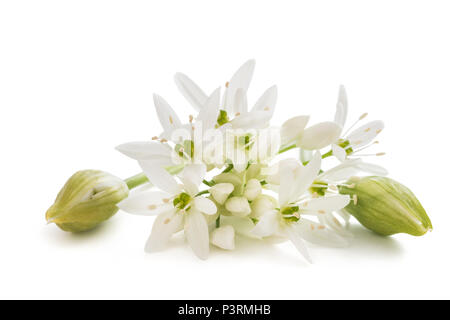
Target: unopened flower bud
[[252, 189], [238, 206], [385, 206], [88, 198], [221, 191]]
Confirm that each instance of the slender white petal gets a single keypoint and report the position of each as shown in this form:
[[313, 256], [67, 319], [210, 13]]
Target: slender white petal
[[267, 101], [335, 225], [262, 204], [241, 226], [165, 225], [338, 152], [223, 237], [240, 80], [365, 134], [196, 230], [146, 203], [240, 101], [160, 177], [341, 108], [305, 155], [293, 128], [190, 91], [251, 120], [319, 136], [304, 177], [145, 150], [325, 204], [210, 111], [318, 234], [371, 168], [287, 171], [167, 117], [192, 176], [267, 225], [221, 191], [293, 234], [205, 205]]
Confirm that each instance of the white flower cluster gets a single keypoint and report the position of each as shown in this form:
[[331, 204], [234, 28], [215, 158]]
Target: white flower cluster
[[218, 174]]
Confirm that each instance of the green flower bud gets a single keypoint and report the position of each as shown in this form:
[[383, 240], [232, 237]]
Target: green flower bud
[[88, 198], [385, 206]]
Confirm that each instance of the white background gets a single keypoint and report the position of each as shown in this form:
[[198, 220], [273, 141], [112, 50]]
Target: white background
[[77, 77]]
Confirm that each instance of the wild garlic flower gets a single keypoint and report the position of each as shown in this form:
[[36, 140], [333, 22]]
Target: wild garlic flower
[[352, 141], [178, 206], [218, 175], [296, 202]]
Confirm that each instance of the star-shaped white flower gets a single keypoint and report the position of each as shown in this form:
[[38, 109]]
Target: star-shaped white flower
[[351, 141], [177, 205], [234, 105], [295, 202]]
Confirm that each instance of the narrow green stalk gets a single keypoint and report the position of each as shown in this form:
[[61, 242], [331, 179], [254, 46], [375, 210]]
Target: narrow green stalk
[[284, 149], [218, 222]]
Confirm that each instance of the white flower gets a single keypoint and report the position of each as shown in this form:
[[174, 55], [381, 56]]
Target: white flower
[[221, 191], [316, 137], [177, 206], [351, 141], [234, 106], [295, 202]]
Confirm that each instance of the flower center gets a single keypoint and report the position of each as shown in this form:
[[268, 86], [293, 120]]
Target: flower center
[[290, 214], [182, 201]]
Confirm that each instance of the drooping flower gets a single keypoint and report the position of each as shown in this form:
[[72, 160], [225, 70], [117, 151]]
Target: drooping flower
[[178, 206], [234, 105], [296, 202]]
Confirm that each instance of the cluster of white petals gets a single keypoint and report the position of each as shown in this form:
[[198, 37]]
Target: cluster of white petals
[[220, 173]]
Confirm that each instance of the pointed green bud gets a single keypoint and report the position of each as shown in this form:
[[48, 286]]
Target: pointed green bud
[[385, 206], [88, 198]]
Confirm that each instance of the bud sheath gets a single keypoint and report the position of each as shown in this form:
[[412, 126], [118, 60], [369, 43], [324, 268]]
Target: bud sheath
[[385, 206]]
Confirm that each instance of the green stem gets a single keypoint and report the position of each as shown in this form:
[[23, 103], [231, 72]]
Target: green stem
[[141, 178], [218, 222], [284, 149], [136, 180]]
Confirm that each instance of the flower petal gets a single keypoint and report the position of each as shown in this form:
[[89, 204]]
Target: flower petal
[[221, 191], [190, 91], [341, 107], [319, 136], [325, 204], [205, 205], [303, 177], [167, 117], [165, 225], [267, 101], [240, 80], [240, 102], [196, 230], [209, 112], [160, 177], [267, 225], [145, 150], [365, 134], [251, 120], [292, 129], [293, 234], [252, 189], [318, 234], [338, 152], [146, 203], [223, 237], [192, 176]]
